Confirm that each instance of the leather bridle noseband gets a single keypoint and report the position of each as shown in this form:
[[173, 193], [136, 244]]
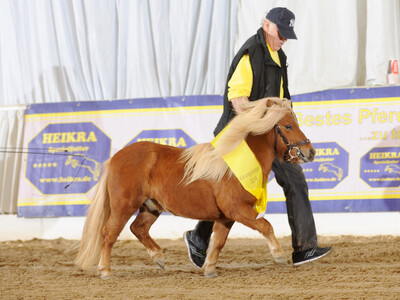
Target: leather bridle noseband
[[288, 154]]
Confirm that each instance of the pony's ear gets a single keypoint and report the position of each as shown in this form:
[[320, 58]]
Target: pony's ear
[[274, 100], [270, 102], [288, 102]]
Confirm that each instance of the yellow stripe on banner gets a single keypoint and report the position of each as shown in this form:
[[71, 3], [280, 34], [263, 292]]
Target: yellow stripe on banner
[[54, 202], [125, 111], [358, 193], [272, 198]]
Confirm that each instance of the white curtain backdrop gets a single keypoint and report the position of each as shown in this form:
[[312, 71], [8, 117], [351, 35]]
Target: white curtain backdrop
[[71, 50], [75, 50], [11, 134], [341, 43], [382, 39]]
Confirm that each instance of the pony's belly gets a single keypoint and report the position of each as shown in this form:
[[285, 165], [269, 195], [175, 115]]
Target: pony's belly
[[195, 201]]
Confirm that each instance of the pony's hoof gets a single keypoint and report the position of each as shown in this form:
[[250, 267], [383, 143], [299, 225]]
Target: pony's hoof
[[160, 263], [210, 274], [281, 260], [210, 271], [106, 275]]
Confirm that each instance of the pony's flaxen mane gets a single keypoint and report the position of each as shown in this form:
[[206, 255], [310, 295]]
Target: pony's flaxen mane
[[203, 161]]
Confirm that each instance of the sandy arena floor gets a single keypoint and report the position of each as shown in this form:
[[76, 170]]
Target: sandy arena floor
[[358, 268]]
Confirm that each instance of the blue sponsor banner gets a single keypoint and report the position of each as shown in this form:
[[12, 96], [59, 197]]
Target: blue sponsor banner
[[356, 134]]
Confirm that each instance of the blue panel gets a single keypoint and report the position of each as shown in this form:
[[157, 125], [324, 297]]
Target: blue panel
[[347, 94], [125, 104], [331, 206], [52, 211]]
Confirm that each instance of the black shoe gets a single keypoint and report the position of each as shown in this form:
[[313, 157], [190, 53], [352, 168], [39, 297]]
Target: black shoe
[[197, 255], [309, 255]]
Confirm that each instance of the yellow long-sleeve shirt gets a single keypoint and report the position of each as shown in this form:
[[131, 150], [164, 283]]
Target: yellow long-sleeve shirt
[[241, 82]]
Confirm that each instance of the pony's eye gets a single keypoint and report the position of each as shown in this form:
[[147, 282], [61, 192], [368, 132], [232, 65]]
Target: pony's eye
[[288, 127]]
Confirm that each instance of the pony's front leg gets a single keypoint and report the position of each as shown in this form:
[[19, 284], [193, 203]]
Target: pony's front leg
[[274, 246], [246, 215], [221, 231]]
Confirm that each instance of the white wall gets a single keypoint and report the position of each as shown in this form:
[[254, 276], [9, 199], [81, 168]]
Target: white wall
[[171, 227]]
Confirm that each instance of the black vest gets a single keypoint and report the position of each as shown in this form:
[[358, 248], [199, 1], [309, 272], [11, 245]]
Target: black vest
[[266, 75]]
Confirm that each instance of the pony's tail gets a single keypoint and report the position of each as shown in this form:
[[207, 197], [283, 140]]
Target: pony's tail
[[99, 211]]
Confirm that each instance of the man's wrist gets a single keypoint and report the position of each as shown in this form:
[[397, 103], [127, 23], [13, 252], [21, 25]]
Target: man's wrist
[[239, 103]]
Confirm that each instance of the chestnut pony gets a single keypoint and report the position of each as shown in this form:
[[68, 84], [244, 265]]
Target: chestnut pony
[[193, 183]]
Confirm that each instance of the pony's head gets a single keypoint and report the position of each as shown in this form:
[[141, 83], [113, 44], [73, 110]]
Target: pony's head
[[290, 143], [262, 116]]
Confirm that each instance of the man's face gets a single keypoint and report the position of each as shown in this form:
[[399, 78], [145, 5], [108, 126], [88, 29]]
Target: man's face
[[274, 39]]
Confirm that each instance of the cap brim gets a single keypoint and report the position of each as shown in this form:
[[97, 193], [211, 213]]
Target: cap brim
[[287, 33]]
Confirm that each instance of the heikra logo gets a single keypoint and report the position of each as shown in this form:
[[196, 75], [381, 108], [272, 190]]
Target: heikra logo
[[67, 158], [380, 167], [329, 168], [171, 137]]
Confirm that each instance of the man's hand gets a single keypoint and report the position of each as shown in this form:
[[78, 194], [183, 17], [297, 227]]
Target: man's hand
[[239, 103]]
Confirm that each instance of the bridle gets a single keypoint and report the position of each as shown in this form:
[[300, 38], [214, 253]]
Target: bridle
[[288, 154]]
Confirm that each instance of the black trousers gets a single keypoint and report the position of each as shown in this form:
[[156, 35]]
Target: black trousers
[[291, 178]]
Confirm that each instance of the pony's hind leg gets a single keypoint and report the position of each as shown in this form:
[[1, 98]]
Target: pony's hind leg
[[148, 214], [111, 231], [221, 231]]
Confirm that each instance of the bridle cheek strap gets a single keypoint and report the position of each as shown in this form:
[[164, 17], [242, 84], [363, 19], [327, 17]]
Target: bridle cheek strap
[[288, 156]]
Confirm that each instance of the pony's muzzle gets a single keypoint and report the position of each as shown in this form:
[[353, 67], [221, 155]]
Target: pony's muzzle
[[310, 157], [306, 158]]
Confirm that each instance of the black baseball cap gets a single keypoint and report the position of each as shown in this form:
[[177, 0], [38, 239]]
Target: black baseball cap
[[284, 19]]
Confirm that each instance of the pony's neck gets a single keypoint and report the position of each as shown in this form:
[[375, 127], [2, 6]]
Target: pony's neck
[[263, 148]]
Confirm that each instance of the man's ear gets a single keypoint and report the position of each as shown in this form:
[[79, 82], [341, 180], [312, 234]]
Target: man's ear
[[266, 25]]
